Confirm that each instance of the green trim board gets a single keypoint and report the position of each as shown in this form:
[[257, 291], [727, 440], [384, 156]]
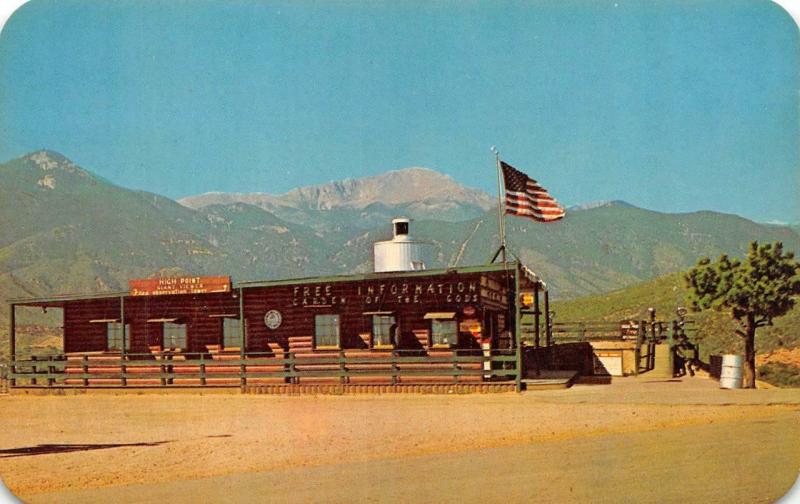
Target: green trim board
[[54, 300], [375, 276]]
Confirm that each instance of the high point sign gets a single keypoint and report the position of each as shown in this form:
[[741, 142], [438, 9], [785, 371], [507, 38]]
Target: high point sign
[[179, 285]]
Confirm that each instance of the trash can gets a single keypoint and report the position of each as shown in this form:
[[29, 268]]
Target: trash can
[[731, 375]]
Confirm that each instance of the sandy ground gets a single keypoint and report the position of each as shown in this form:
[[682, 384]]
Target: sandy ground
[[635, 440]]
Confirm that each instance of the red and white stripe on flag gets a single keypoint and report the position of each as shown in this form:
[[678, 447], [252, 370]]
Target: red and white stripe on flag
[[526, 198]]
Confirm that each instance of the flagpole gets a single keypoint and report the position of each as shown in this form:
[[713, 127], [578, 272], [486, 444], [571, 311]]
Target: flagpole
[[500, 208]]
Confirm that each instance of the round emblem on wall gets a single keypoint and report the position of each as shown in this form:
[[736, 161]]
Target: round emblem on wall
[[273, 319], [469, 311]]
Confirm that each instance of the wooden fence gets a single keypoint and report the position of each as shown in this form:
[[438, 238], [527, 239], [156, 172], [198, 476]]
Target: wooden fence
[[605, 330], [198, 370]]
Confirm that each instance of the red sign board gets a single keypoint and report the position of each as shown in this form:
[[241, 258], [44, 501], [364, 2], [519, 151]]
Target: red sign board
[[179, 285]]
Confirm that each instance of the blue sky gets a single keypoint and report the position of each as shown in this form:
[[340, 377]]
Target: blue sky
[[674, 106]]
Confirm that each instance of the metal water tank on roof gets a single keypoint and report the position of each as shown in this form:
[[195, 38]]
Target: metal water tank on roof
[[401, 253]]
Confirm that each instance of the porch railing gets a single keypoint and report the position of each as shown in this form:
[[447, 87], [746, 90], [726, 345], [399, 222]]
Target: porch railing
[[604, 330], [167, 369]]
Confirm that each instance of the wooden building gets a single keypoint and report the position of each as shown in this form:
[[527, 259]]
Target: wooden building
[[455, 325]]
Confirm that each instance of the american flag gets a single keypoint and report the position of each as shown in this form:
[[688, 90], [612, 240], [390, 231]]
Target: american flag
[[525, 197]]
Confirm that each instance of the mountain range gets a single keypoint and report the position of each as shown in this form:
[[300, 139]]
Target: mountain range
[[64, 229], [364, 203]]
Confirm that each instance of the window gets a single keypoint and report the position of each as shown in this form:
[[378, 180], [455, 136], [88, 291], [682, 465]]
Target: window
[[382, 330], [174, 335], [444, 332], [114, 336], [231, 337], [400, 228], [326, 331]]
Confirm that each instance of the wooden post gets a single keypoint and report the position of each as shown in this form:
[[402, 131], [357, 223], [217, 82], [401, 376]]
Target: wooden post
[[242, 341], [242, 371], [342, 369], [122, 321], [536, 316], [652, 312], [162, 369], [395, 369], [548, 335], [637, 353], [122, 367], [50, 371], [35, 370], [202, 370], [12, 341], [85, 370], [517, 327], [651, 345], [670, 343], [455, 365]]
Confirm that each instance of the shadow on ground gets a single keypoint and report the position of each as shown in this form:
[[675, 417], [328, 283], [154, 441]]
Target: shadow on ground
[[44, 449]]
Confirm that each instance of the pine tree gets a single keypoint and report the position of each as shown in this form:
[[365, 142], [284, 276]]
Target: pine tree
[[754, 291]]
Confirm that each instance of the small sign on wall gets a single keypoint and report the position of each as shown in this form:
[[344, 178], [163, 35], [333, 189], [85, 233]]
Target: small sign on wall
[[273, 319], [472, 326]]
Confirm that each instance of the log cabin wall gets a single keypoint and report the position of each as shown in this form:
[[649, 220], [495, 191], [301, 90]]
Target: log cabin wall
[[195, 310], [407, 298], [477, 298], [81, 335]]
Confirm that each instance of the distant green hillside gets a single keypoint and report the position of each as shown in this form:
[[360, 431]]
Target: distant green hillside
[[715, 330], [65, 230], [605, 248]]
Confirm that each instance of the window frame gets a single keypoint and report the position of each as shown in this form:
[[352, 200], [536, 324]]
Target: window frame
[[237, 335], [337, 331], [119, 337], [388, 343], [174, 326], [441, 322]]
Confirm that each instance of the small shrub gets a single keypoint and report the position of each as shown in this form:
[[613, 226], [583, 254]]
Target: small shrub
[[780, 374]]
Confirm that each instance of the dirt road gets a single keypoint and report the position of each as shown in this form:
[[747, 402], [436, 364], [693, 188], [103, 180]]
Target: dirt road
[[631, 441]]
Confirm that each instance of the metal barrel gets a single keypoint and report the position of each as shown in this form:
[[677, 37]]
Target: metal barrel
[[731, 375]]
